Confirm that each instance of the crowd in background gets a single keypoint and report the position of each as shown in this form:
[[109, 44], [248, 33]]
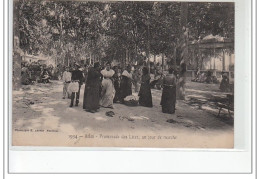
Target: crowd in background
[[36, 72], [107, 84], [209, 77]]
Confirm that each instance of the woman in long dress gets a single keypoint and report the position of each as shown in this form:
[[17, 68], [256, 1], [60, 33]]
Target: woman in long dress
[[108, 90], [92, 89], [168, 99], [145, 96], [137, 78], [116, 78], [126, 83]]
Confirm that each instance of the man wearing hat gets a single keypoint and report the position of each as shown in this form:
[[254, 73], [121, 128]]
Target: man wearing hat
[[77, 77]]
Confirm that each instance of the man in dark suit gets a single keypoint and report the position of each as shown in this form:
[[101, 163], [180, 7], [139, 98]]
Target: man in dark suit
[[77, 76]]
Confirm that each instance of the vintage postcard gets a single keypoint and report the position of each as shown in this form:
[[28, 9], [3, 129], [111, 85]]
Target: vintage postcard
[[142, 74]]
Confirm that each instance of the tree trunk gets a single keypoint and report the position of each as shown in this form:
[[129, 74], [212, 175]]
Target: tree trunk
[[201, 63], [173, 57], [126, 56], [184, 33], [223, 62], [90, 60], [184, 14], [210, 64], [162, 61], [198, 58], [136, 54], [148, 48], [125, 59], [17, 68]]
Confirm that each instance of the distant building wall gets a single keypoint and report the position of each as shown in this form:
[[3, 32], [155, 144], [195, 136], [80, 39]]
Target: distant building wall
[[217, 63], [210, 63]]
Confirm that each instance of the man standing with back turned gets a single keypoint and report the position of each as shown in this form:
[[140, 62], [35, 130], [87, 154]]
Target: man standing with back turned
[[77, 76]]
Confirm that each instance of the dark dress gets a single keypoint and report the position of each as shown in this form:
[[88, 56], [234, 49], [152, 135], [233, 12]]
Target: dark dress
[[92, 90], [145, 96], [125, 87], [224, 85], [25, 78], [168, 99], [116, 80]]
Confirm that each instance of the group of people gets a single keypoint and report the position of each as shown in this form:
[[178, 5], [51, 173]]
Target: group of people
[[205, 77], [208, 77], [35, 72], [225, 84], [106, 86]]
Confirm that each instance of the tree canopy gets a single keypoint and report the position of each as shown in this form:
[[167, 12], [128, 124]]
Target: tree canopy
[[115, 30]]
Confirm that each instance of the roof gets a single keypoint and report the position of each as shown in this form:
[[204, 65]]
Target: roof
[[213, 42]]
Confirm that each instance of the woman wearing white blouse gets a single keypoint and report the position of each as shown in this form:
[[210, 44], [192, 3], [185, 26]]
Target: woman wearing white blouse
[[108, 90]]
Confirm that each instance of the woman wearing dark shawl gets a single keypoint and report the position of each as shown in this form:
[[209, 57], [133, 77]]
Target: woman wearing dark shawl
[[168, 99], [126, 83], [145, 96], [92, 89], [116, 78]]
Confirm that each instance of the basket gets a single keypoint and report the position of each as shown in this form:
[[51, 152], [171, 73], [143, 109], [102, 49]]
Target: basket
[[131, 100], [131, 103], [73, 87]]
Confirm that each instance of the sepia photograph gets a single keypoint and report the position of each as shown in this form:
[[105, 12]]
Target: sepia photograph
[[142, 74]]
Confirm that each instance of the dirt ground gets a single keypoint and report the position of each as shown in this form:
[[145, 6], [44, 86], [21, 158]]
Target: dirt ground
[[40, 117]]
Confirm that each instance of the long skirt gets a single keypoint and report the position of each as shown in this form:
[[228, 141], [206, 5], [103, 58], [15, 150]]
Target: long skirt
[[125, 87], [117, 93], [145, 96], [168, 99], [107, 93], [91, 97]]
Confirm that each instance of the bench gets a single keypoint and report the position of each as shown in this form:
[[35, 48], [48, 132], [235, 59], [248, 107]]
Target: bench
[[225, 103]]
